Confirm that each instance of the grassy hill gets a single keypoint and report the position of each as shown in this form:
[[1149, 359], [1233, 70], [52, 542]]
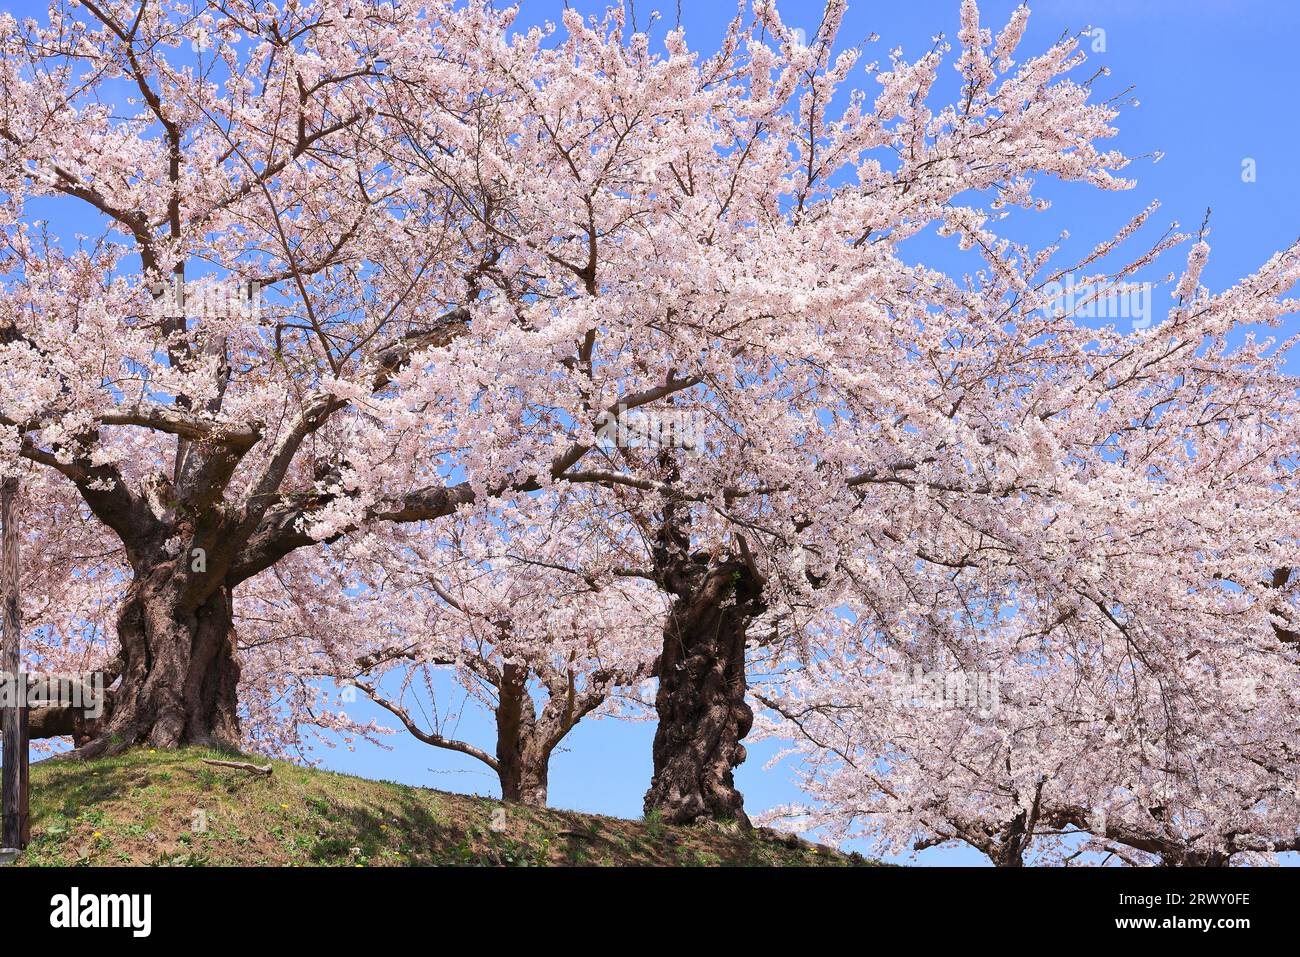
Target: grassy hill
[[170, 808]]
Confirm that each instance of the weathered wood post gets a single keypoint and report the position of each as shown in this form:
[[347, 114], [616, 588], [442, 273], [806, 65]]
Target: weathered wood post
[[13, 718]]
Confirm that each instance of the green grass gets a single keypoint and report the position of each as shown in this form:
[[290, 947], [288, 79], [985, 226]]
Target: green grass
[[168, 808]]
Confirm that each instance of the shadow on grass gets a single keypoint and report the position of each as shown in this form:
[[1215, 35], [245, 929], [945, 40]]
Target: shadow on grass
[[136, 807]]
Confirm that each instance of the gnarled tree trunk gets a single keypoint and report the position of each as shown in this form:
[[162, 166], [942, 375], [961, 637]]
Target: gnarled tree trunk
[[179, 673], [701, 699]]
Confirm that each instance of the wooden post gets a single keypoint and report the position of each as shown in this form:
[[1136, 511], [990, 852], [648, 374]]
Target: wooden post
[[24, 778], [13, 719]]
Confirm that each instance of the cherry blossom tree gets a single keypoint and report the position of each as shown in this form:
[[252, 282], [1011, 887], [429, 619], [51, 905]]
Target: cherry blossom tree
[[497, 265], [233, 157], [498, 604], [1117, 573], [1081, 748], [802, 386]]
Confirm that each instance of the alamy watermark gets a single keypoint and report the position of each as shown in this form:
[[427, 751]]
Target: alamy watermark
[[75, 909], [637, 428], [940, 690], [1129, 300], [79, 692], [207, 300]]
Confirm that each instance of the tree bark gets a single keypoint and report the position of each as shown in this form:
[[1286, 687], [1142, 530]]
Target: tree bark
[[522, 762], [701, 698], [179, 672], [524, 782], [1211, 858]]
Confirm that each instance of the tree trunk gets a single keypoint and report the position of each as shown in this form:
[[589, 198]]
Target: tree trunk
[[1009, 851], [179, 673], [1209, 858], [522, 764], [701, 699], [1007, 856], [524, 783]]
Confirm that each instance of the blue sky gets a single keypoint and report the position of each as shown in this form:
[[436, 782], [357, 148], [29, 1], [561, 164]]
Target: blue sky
[[1216, 80]]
